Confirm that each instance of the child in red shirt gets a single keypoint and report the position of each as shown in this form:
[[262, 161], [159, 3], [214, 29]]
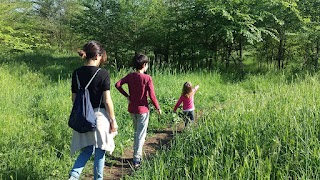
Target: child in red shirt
[[140, 86], [187, 98]]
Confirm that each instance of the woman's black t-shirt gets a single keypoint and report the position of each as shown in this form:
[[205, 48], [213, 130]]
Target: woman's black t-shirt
[[100, 83]]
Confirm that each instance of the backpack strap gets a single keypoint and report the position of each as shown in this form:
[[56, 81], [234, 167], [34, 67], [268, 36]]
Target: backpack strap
[[100, 102], [92, 78], [78, 82]]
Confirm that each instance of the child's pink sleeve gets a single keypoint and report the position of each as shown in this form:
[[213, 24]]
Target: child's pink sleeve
[[177, 104]]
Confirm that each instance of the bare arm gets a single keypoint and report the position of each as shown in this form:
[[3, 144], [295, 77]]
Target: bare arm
[[108, 103], [196, 88]]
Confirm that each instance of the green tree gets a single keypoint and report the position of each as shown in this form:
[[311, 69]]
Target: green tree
[[310, 34], [21, 35], [284, 17], [54, 18]]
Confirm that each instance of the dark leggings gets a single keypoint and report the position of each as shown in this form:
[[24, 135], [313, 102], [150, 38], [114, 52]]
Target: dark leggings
[[188, 116]]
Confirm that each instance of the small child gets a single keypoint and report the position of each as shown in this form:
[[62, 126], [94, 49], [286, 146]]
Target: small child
[[186, 98], [140, 87]]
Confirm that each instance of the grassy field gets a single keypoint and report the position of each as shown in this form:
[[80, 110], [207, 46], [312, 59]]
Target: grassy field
[[265, 127], [259, 126]]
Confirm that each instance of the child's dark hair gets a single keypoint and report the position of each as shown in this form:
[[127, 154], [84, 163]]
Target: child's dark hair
[[187, 89], [139, 60], [91, 49]]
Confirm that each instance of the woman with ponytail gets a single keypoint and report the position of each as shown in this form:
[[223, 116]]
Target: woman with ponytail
[[99, 141]]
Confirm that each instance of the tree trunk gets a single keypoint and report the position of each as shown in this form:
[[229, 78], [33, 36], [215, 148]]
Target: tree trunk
[[155, 56], [240, 54], [166, 54], [180, 60], [229, 50], [317, 55], [265, 48], [215, 55], [116, 56], [193, 58], [280, 52], [240, 50]]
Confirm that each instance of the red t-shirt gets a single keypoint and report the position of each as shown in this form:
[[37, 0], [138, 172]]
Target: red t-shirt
[[140, 87]]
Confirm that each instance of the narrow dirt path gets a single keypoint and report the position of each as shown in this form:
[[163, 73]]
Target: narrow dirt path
[[122, 167]]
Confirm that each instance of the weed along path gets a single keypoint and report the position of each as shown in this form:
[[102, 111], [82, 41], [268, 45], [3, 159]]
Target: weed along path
[[119, 167]]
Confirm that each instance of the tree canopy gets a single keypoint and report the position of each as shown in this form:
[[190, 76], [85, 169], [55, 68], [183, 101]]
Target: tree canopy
[[189, 33]]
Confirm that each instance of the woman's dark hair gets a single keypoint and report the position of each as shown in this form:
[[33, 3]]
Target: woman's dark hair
[[104, 57], [91, 49], [139, 60]]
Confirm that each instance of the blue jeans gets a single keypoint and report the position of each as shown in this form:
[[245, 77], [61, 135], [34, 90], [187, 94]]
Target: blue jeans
[[84, 156], [140, 125]]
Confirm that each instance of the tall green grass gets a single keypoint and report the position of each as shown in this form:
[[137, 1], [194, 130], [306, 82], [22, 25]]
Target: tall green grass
[[265, 127], [248, 127], [33, 116], [35, 103]]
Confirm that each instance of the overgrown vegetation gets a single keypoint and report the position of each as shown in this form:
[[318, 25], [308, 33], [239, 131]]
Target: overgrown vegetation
[[256, 63], [265, 127], [259, 126], [184, 33]]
